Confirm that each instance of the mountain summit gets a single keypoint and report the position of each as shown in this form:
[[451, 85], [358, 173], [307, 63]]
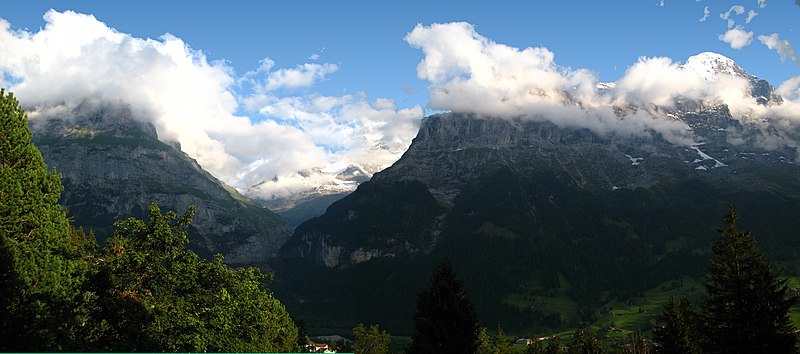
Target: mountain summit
[[710, 64], [113, 166], [530, 211]]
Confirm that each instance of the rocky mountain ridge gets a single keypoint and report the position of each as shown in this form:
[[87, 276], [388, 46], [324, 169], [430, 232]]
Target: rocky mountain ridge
[[113, 166], [525, 208], [453, 150]]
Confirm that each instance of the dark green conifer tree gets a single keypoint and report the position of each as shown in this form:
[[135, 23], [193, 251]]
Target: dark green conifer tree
[[500, 344], [587, 342], [746, 306], [678, 331], [553, 346], [484, 342], [39, 272], [636, 343], [445, 319]]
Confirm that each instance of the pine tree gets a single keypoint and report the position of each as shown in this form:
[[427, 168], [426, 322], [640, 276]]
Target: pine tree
[[746, 306], [636, 343], [497, 345], [553, 346], [484, 343], [587, 342], [678, 333], [39, 271], [502, 345], [445, 320]]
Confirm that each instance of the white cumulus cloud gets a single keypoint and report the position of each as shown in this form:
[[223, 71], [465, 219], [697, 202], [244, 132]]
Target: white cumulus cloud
[[790, 89], [737, 38], [300, 139], [469, 73]]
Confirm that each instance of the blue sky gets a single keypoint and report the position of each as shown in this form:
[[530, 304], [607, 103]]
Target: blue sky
[[290, 93]]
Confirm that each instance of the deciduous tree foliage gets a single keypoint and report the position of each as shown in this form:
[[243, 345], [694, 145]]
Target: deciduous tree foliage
[[746, 306], [143, 292], [154, 294], [40, 271], [445, 320], [370, 340]]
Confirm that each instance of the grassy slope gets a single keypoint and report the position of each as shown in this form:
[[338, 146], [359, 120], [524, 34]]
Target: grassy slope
[[636, 315]]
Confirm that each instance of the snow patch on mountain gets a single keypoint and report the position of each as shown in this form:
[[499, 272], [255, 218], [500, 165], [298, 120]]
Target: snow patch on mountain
[[284, 192], [635, 160], [705, 157]]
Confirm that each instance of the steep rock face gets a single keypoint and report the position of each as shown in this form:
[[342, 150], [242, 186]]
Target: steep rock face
[[526, 209], [370, 221], [113, 167], [308, 208], [453, 151]]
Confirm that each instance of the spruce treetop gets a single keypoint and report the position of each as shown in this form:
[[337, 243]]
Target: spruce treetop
[[746, 306]]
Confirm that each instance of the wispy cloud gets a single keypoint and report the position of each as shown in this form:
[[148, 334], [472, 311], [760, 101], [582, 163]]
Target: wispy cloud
[[782, 46], [297, 138], [750, 16], [737, 9], [706, 13], [315, 56], [763, 3], [408, 90], [305, 75]]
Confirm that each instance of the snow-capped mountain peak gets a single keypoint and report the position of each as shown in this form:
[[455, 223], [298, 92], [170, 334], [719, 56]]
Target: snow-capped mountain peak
[[709, 65]]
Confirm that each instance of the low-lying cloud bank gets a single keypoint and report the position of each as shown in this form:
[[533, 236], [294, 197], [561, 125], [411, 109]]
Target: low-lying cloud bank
[[471, 73], [299, 138]]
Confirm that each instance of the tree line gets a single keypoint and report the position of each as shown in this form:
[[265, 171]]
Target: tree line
[[745, 309]]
